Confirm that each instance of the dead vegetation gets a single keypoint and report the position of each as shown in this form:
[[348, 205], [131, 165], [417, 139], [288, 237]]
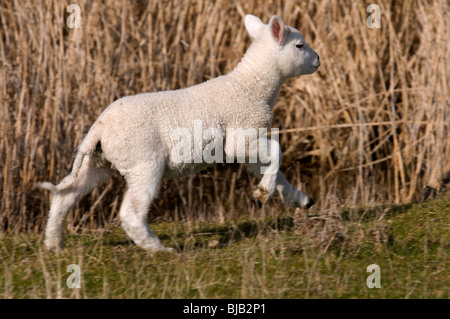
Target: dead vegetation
[[372, 126]]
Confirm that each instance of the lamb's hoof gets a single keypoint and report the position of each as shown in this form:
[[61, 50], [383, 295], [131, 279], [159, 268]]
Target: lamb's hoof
[[256, 202], [53, 247], [166, 249], [262, 194], [309, 204], [54, 250]]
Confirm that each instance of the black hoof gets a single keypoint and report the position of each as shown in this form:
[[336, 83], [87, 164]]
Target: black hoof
[[256, 202], [309, 204]]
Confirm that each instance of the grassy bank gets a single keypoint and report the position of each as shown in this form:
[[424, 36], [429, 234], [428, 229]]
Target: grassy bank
[[262, 258]]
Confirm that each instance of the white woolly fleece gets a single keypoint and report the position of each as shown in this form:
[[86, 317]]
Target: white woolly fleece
[[133, 135]]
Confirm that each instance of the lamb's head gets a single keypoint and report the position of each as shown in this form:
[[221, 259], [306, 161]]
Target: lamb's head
[[283, 45]]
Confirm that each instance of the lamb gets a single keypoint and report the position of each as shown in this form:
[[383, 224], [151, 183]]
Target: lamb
[[133, 134]]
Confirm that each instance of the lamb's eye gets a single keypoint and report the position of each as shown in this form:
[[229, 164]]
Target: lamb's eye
[[299, 45]]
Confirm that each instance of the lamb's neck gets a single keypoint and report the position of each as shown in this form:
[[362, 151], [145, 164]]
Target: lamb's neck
[[258, 78]]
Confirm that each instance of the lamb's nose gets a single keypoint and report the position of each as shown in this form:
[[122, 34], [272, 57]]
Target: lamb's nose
[[317, 64]]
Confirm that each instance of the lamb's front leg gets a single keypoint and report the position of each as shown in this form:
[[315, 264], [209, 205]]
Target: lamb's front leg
[[269, 151], [291, 196]]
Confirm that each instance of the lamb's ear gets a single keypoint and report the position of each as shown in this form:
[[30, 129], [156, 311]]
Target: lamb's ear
[[277, 29], [253, 25]]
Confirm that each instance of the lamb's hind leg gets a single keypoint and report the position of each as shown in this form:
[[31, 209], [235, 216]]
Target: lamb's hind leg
[[143, 182], [87, 178]]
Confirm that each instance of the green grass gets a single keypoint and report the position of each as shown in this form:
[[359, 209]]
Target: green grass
[[266, 258]]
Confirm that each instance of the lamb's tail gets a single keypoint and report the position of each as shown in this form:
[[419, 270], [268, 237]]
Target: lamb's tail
[[86, 148], [47, 185]]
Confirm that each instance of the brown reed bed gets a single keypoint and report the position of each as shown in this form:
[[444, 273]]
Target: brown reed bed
[[372, 126]]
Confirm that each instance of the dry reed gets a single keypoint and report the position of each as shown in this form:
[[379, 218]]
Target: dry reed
[[371, 126]]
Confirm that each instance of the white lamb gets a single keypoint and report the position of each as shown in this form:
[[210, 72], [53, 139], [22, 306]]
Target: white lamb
[[133, 135]]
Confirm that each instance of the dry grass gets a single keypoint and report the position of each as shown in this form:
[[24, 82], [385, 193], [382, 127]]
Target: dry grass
[[247, 258], [371, 126]]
